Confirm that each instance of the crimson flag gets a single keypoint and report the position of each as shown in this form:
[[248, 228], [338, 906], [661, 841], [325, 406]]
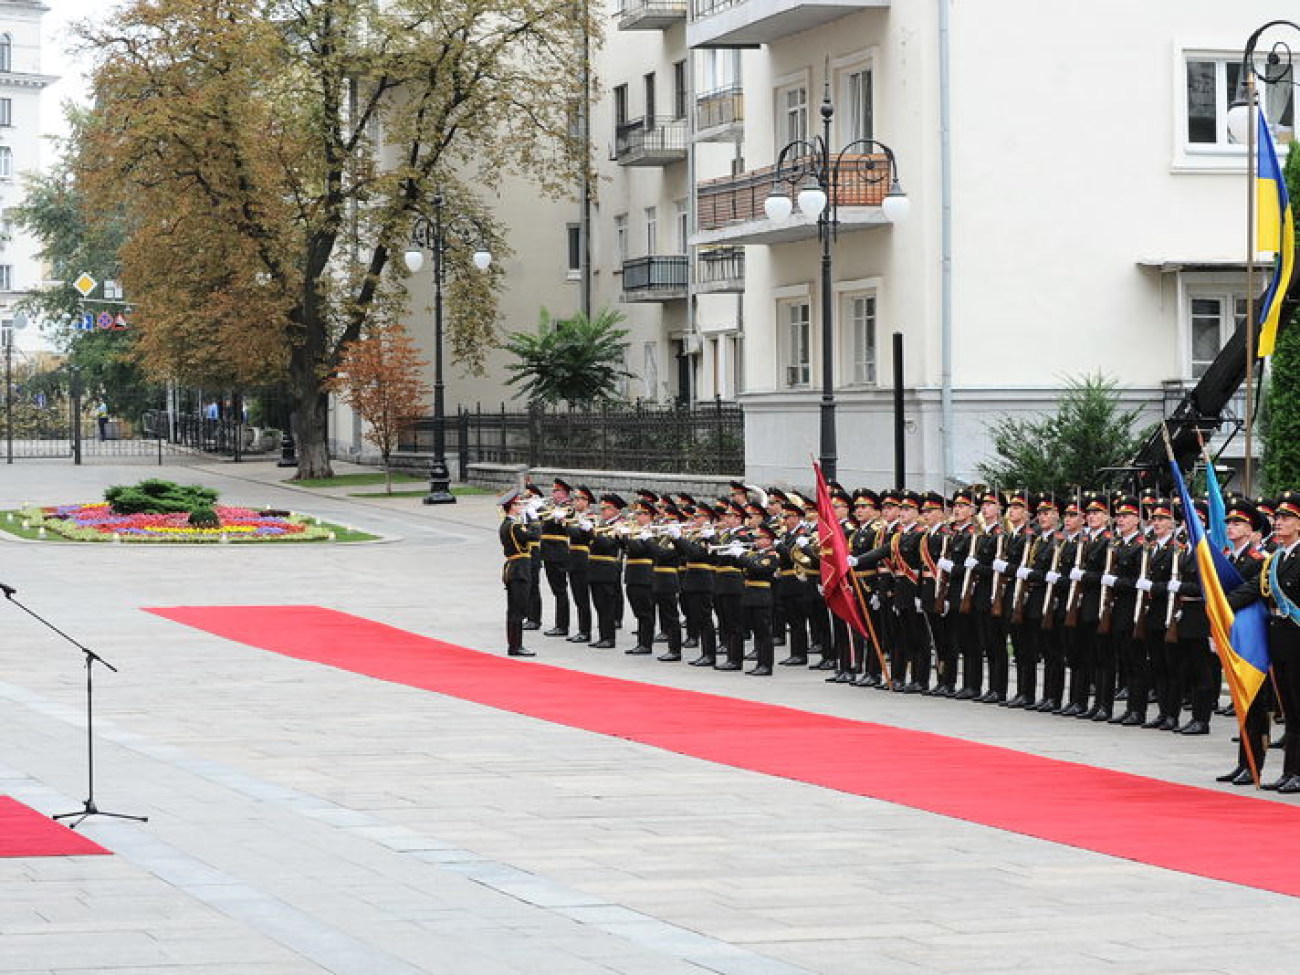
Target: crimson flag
[[837, 584]]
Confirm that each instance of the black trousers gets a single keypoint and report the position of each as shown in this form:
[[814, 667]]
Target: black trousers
[[758, 619], [1025, 639], [731, 626], [993, 647], [965, 632], [557, 577], [1080, 652], [794, 612], [641, 601], [698, 607], [581, 598], [1052, 650], [605, 597], [516, 610], [670, 620]]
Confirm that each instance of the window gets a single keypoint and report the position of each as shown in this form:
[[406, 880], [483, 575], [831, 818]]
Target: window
[[6, 52], [6, 111], [793, 107], [620, 105], [720, 68], [1211, 88], [797, 349], [858, 313], [651, 231], [620, 238], [679, 90], [650, 99], [6, 277], [6, 162], [1210, 325], [650, 370], [683, 227], [573, 234], [856, 118]]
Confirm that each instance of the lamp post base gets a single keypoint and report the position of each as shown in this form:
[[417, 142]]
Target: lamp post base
[[439, 484]]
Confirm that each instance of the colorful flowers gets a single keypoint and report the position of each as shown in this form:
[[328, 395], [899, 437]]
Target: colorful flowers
[[98, 522]]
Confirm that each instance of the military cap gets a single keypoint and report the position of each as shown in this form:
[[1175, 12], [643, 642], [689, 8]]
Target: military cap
[[562, 484], [1048, 502], [1096, 501], [1239, 509], [708, 511], [1126, 504], [889, 496], [1160, 508], [510, 497], [739, 486], [644, 506], [613, 500], [754, 509], [992, 496], [932, 501], [909, 499], [791, 508], [963, 496], [586, 492], [533, 489], [866, 496], [766, 529], [645, 494], [776, 494], [1266, 507], [1287, 503], [684, 499], [1019, 496]]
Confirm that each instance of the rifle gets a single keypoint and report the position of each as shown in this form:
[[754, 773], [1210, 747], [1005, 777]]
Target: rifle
[[1107, 594], [1171, 617], [942, 579], [1140, 604], [1051, 586], [1074, 598], [968, 580], [1018, 591], [999, 578]]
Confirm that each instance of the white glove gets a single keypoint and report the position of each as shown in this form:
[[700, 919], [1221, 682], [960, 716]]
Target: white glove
[[1076, 574], [707, 531], [853, 561], [999, 566], [821, 590], [1173, 586], [803, 541], [1022, 573], [735, 549], [1053, 578], [534, 505], [971, 562], [585, 524], [645, 534], [875, 600], [674, 530], [558, 515], [917, 603], [1108, 580], [945, 565], [1143, 584]]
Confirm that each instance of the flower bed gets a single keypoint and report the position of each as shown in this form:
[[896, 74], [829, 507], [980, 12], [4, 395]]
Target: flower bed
[[97, 522]]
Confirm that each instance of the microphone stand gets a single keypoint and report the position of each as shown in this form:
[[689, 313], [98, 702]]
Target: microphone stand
[[88, 808]]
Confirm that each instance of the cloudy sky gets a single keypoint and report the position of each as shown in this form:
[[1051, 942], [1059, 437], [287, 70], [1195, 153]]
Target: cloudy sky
[[56, 61]]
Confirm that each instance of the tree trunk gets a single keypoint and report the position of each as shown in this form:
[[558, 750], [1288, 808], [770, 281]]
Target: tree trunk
[[310, 418]]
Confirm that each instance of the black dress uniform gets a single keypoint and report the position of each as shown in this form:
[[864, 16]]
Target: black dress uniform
[[580, 537], [555, 560], [728, 593], [760, 568], [638, 579], [516, 534], [697, 582], [604, 572], [1039, 611], [1249, 560]]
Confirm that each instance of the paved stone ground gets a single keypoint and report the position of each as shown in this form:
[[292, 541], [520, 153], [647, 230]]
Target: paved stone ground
[[305, 820]]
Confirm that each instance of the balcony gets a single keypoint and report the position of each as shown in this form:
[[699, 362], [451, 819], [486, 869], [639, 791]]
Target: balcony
[[650, 142], [720, 270], [750, 23], [656, 278], [650, 14], [730, 209], [720, 114]]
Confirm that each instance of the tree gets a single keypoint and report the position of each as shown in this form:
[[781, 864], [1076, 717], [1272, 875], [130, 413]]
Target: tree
[[1069, 449], [1281, 406], [243, 138], [379, 377], [574, 360]]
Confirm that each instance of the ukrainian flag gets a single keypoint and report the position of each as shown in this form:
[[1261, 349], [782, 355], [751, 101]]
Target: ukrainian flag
[[1275, 232], [1240, 637]]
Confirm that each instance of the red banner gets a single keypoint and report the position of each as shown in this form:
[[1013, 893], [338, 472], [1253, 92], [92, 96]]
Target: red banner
[[837, 584]]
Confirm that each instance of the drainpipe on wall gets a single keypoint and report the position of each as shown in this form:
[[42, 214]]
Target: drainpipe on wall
[[947, 418]]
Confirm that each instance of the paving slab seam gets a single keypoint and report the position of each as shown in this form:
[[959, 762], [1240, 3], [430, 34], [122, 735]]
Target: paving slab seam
[[318, 940]]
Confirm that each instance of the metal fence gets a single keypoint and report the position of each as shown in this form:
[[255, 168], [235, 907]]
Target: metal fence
[[705, 439]]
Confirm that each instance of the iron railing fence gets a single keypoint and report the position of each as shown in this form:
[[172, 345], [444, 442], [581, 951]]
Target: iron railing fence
[[708, 438]]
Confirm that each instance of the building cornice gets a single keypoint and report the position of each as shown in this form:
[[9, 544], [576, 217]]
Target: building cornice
[[16, 79]]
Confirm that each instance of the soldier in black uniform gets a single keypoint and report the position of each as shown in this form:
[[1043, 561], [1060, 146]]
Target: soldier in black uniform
[[1075, 650], [698, 583], [790, 596], [933, 547], [986, 598], [605, 569], [862, 539], [1040, 604], [638, 575], [580, 535], [1164, 564], [1128, 655], [1094, 648], [1021, 543], [532, 499], [666, 585], [760, 567], [963, 629], [555, 554], [516, 533]]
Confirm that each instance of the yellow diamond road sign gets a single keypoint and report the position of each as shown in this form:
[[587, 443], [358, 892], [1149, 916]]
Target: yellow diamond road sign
[[85, 284]]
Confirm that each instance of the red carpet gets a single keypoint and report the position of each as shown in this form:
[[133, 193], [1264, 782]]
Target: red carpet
[[1224, 836], [26, 833]]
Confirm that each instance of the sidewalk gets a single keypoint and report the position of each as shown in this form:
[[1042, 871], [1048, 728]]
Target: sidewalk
[[306, 820]]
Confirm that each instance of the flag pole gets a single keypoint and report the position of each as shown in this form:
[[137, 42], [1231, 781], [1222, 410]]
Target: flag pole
[[871, 628], [1234, 685], [1252, 177]]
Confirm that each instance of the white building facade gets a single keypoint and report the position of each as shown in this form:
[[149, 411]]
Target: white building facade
[[21, 84]]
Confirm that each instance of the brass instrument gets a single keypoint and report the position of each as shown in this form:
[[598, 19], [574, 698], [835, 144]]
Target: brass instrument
[[1140, 604], [1107, 607]]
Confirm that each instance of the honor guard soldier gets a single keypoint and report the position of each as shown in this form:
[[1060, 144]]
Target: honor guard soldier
[[729, 588], [1161, 585], [1069, 594], [555, 554], [1085, 581], [862, 539], [1037, 600], [604, 568], [911, 671], [516, 534], [698, 576], [1021, 543], [666, 585], [1129, 563], [989, 546], [962, 627], [790, 596], [532, 499], [808, 562], [760, 568], [1199, 674], [639, 573], [933, 547], [580, 536]]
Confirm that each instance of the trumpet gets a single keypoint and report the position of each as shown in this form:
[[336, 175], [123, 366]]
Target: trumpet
[[726, 546], [548, 512]]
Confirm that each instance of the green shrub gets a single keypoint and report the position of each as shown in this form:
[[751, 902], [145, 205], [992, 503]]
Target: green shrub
[[204, 517], [158, 497]]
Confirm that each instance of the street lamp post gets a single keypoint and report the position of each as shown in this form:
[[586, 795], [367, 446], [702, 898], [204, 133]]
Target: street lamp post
[[431, 234], [809, 164]]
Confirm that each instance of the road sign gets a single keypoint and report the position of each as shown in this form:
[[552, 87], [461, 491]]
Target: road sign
[[85, 284]]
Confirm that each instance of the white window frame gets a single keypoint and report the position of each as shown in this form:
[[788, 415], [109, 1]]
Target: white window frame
[[6, 162], [650, 370], [573, 268], [6, 277], [845, 293], [843, 70], [1227, 287], [793, 373], [651, 216], [683, 222], [6, 113], [6, 52], [620, 239], [792, 121]]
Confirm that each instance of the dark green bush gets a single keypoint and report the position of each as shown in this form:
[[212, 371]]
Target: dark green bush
[[158, 497], [204, 517]]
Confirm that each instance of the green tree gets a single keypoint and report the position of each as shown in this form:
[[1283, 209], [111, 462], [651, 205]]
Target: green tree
[[272, 154], [1281, 406], [576, 360], [1069, 448]]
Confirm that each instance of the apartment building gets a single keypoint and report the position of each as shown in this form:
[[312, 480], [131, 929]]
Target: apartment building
[[21, 84]]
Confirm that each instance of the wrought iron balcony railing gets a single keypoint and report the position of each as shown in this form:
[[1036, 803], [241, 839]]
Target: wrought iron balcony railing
[[650, 141], [655, 278]]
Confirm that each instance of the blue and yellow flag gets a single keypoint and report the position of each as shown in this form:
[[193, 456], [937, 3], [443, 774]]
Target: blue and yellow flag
[[1241, 636], [1218, 526], [1274, 231]]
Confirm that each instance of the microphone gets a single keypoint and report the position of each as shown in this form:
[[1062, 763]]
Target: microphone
[[7, 590]]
